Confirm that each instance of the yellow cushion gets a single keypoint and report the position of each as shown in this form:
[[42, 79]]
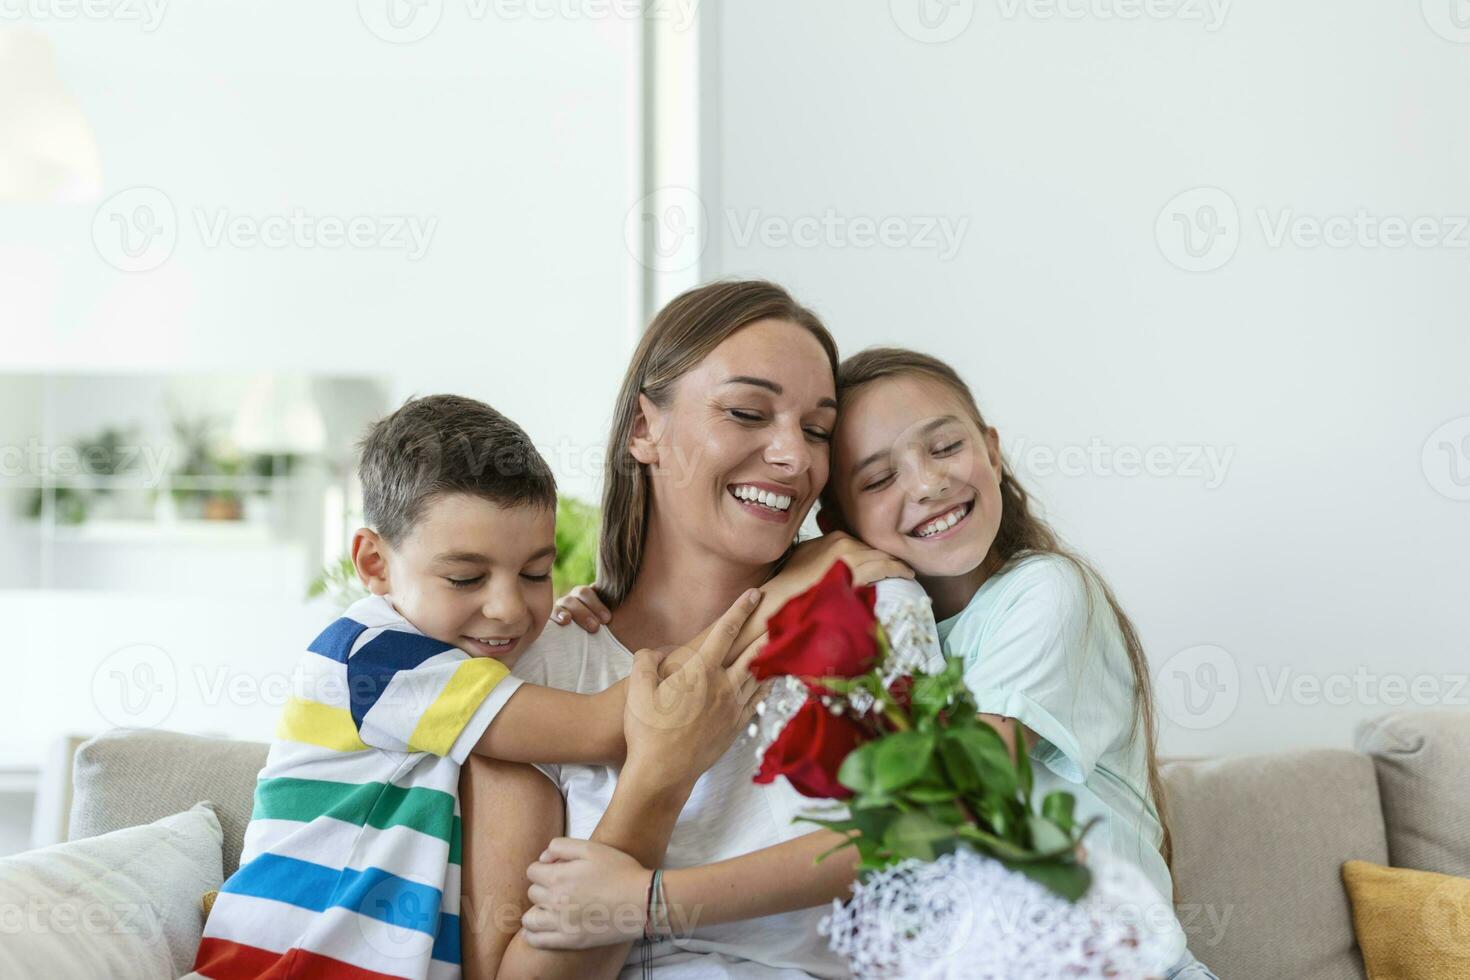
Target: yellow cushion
[[1411, 925]]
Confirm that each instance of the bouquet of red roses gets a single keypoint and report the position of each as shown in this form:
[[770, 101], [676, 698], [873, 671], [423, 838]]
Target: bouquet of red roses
[[921, 774]]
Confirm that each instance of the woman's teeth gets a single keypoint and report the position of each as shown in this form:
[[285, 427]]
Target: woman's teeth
[[755, 495], [942, 523]]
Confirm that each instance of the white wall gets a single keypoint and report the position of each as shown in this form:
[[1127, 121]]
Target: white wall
[[1334, 545], [516, 135]]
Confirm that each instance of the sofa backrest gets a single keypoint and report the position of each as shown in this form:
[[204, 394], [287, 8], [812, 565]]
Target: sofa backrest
[[128, 777], [1259, 842], [1423, 763]]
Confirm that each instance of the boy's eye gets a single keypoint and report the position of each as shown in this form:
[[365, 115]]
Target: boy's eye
[[879, 483], [465, 583]]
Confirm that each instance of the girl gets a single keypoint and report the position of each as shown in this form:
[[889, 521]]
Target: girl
[[918, 474]]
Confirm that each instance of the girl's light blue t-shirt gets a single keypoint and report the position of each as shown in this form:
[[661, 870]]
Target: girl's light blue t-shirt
[[1041, 645]]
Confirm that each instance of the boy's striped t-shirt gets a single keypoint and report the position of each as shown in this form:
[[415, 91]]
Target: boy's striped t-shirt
[[351, 864]]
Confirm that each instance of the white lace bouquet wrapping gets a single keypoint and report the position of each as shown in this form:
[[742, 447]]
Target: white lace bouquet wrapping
[[964, 916], [962, 874]]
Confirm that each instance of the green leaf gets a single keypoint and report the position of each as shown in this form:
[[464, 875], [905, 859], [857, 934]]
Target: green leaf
[[856, 771], [1058, 806], [872, 824], [1067, 878], [914, 835], [927, 793], [1023, 763], [957, 765], [987, 753], [995, 846], [901, 759], [1047, 836]]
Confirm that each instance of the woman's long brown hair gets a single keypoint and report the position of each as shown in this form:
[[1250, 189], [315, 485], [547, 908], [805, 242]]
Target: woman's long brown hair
[[1021, 533], [688, 328]]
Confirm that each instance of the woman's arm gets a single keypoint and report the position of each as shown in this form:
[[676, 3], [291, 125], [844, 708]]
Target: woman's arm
[[641, 816], [583, 879], [780, 878], [508, 811], [675, 729]]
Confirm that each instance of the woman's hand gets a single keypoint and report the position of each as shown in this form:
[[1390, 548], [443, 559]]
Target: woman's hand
[[582, 606], [678, 726], [585, 894]]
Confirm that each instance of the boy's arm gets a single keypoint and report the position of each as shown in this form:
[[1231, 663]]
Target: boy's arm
[[551, 726]]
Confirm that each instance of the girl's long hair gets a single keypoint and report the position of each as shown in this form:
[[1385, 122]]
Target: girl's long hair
[[1021, 533], [680, 336]]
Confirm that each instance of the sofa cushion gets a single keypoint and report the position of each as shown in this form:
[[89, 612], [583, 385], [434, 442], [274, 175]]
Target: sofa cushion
[[1258, 847], [123, 905], [128, 777], [1411, 925], [1422, 759]]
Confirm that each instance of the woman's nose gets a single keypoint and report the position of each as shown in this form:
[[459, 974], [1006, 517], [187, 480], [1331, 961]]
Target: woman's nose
[[789, 450]]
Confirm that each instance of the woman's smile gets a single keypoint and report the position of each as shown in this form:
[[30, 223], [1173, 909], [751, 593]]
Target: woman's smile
[[769, 502]]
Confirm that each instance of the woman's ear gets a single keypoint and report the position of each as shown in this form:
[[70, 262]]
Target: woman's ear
[[647, 428], [992, 449], [370, 558]]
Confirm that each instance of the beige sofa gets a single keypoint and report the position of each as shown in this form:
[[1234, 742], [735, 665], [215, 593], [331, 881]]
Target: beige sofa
[[1259, 840]]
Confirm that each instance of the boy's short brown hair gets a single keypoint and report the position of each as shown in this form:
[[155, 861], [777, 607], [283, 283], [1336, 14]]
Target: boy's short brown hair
[[446, 444]]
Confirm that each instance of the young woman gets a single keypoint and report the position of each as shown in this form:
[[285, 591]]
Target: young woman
[[719, 447], [919, 475]]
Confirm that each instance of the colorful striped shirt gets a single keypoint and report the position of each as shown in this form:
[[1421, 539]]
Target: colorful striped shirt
[[351, 865]]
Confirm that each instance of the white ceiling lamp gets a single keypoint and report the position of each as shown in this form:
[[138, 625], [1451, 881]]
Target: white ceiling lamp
[[48, 153]]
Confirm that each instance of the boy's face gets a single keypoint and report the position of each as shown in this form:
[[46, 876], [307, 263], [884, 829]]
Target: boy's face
[[470, 573]]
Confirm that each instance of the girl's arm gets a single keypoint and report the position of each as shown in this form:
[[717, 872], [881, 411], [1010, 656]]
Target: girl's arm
[[806, 566]]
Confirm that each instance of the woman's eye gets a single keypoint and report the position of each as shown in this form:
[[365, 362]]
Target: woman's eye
[[465, 583], [821, 435], [879, 483], [745, 415], [950, 449]]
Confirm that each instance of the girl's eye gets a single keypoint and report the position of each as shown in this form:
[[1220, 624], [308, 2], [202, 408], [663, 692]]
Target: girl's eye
[[544, 577], [465, 583], [950, 449], [879, 483]]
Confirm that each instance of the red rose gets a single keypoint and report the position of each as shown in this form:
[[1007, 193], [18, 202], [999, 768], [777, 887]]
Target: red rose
[[810, 750], [827, 631]]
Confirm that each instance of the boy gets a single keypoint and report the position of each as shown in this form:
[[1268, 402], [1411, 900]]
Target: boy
[[351, 860]]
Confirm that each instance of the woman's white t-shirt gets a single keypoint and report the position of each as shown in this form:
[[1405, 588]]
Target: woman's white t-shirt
[[727, 815]]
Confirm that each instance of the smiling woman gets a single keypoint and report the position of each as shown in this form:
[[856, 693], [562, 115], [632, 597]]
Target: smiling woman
[[720, 446], [754, 422]]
